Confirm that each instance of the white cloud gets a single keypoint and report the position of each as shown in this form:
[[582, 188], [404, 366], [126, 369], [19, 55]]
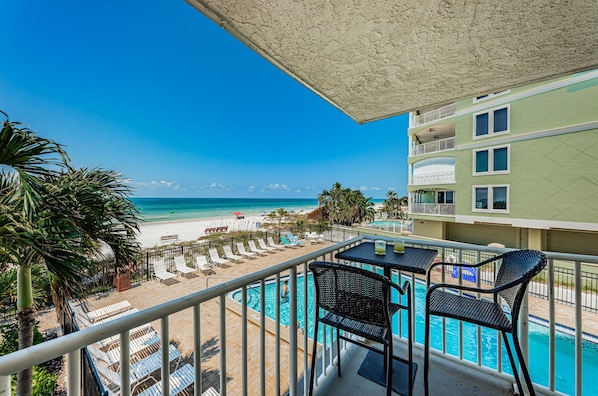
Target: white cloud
[[216, 185], [277, 186]]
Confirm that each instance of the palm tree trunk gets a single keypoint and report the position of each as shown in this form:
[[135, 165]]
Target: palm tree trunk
[[26, 319]]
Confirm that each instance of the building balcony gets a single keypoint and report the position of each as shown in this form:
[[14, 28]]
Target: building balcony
[[237, 350], [433, 115], [434, 146], [442, 209]]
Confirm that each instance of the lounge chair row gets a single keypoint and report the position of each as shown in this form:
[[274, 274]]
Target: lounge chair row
[[145, 355]]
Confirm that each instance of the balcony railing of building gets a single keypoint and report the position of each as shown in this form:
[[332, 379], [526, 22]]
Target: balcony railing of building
[[440, 177], [297, 362], [434, 146], [432, 209], [434, 115]]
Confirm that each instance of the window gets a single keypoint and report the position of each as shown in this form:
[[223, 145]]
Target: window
[[491, 160], [490, 199], [491, 122], [445, 197]]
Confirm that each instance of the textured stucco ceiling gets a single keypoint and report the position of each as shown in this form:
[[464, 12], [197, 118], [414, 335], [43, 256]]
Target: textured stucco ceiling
[[375, 59]]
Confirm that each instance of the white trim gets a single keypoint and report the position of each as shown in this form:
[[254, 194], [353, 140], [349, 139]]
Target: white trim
[[490, 96], [490, 199], [527, 223], [490, 125], [533, 135], [490, 164], [530, 92]]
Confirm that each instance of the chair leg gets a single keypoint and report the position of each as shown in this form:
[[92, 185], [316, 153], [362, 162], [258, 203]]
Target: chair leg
[[338, 351], [313, 359], [512, 360], [526, 376], [427, 351], [388, 363]]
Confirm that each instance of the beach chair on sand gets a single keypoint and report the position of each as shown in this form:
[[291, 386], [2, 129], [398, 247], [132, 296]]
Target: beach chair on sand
[[243, 252], [274, 245], [140, 370], [160, 271], [263, 246], [181, 266], [228, 253], [180, 380], [287, 243], [255, 249], [202, 264], [216, 258]]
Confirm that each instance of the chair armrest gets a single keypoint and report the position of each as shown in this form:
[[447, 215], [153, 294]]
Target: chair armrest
[[493, 290]]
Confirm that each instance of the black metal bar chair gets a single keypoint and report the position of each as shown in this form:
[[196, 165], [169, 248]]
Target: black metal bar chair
[[357, 301], [517, 268]]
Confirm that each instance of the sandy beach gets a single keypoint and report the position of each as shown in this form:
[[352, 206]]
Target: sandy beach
[[189, 230]]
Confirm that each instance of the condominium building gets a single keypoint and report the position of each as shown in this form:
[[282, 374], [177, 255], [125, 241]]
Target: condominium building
[[518, 167]]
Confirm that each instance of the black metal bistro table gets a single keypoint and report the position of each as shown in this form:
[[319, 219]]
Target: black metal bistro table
[[415, 260]]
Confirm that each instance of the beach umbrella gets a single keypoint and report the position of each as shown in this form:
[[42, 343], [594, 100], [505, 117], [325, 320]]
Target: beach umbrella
[[238, 214]]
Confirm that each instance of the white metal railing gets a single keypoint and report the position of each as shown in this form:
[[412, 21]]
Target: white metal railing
[[440, 177], [434, 146], [432, 208], [434, 115], [72, 344]]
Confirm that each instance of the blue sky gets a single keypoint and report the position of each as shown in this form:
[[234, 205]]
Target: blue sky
[[160, 93]]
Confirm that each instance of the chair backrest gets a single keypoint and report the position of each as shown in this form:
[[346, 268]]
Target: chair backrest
[[241, 247], [159, 266], [291, 237], [179, 261], [271, 241], [518, 266], [202, 261], [284, 240], [251, 244], [227, 251], [352, 292], [262, 243], [214, 253]]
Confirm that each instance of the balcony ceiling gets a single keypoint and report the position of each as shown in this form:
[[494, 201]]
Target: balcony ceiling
[[376, 59]]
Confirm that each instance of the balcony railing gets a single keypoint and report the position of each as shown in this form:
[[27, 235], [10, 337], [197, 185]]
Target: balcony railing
[[434, 115], [432, 209], [297, 362], [441, 177], [432, 147]]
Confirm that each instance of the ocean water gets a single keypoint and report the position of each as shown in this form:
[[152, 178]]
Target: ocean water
[[169, 209]]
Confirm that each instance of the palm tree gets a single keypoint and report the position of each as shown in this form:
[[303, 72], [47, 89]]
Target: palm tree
[[392, 205], [54, 216], [345, 206]]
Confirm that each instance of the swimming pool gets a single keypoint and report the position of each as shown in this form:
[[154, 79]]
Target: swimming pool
[[386, 223], [538, 338]]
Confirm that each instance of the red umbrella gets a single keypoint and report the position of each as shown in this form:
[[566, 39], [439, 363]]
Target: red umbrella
[[238, 214]]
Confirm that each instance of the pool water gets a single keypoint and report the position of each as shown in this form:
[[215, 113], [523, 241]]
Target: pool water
[[538, 338], [385, 223]]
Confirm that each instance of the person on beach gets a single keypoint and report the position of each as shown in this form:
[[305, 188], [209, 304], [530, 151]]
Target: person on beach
[[284, 292]]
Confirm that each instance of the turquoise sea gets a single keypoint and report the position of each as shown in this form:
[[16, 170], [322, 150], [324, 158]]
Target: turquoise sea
[[169, 209]]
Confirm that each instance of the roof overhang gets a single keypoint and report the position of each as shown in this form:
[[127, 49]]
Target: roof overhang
[[376, 59]]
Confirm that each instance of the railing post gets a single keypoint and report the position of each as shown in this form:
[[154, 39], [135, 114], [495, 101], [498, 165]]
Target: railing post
[[5, 385], [73, 373]]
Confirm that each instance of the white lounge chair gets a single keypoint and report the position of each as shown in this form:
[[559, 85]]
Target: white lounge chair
[[134, 332], [111, 357], [181, 266], [216, 258], [228, 253], [210, 392], [160, 271], [255, 249], [104, 312], [263, 246], [140, 370], [180, 380], [83, 322], [275, 245], [202, 265], [243, 252]]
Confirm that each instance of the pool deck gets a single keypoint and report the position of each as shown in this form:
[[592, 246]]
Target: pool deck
[[181, 333]]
